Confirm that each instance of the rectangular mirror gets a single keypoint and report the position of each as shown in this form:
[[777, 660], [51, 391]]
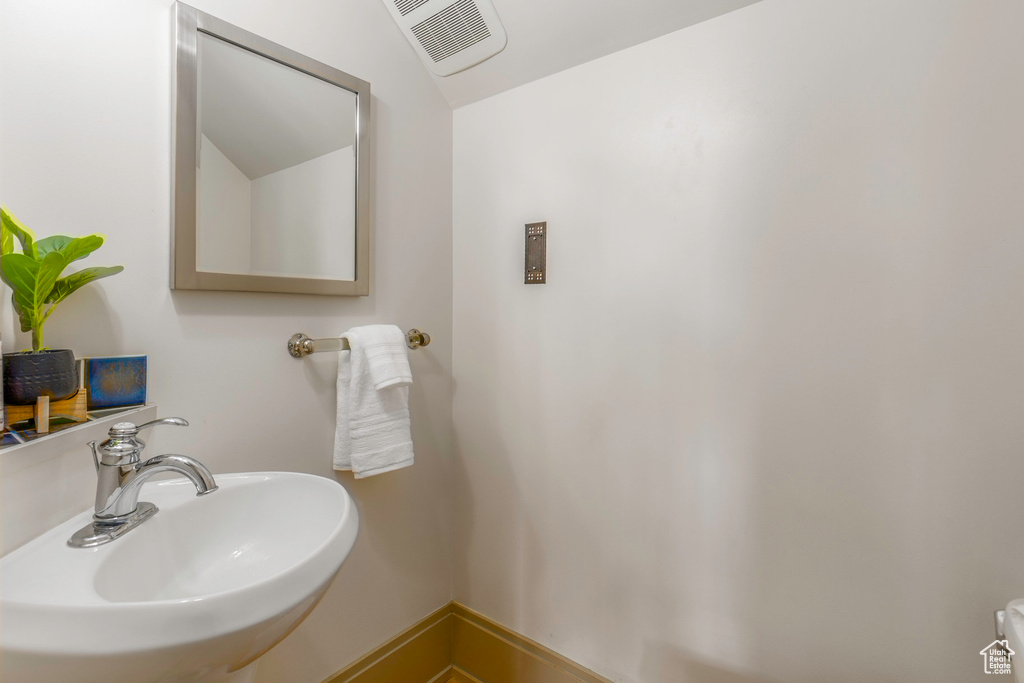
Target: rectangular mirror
[[271, 170]]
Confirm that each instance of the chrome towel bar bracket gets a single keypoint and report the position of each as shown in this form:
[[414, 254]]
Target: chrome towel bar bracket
[[300, 345]]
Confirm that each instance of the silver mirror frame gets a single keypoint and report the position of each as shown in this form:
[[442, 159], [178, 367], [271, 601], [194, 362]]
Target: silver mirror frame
[[189, 22]]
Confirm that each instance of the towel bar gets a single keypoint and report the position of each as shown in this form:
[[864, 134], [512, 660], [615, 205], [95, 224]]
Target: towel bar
[[300, 345]]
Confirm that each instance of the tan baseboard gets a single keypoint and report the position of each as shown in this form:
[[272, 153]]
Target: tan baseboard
[[420, 654], [494, 654], [457, 645], [460, 676]]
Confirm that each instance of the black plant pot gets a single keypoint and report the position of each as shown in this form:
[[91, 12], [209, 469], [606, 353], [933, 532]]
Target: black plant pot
[[31, 374]]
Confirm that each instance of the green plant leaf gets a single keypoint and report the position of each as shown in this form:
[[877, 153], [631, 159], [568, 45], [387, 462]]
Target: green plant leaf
[[25, 322], [34, 275], [70, 248], [65, 286], [12, 225], [32, 282]]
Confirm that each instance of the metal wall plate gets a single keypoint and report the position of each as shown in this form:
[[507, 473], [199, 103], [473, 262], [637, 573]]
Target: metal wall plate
[[536, 253]]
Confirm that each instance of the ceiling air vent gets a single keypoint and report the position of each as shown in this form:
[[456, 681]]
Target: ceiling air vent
[[450, 35], [406, 6]]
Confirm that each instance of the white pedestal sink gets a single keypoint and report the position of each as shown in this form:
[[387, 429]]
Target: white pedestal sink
[[197, 593]]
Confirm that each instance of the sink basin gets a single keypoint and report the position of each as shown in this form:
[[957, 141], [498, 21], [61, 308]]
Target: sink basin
[[197, 593]]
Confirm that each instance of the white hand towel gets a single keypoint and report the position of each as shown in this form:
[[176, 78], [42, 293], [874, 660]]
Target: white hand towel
[[373, 430]]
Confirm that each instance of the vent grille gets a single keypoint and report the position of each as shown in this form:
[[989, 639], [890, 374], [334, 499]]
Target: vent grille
[[406, 6], [451, 30]]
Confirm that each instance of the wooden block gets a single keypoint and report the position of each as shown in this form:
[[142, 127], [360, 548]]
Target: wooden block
[[43, 415], [73, 408]]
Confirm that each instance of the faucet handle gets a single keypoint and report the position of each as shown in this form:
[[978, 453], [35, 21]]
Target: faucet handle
[[173, 421], [123, 446], [126, 429]]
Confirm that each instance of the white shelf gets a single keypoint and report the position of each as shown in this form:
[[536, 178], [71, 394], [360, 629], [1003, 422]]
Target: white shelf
[[97, 417]]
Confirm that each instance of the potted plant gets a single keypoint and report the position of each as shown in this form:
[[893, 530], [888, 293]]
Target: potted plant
[[35, 278]]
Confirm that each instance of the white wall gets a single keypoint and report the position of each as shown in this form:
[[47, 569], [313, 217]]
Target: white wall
[[224, 197], [316, 201], [764, 418], [84, 146]]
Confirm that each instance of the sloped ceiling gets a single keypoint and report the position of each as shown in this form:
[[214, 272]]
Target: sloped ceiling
[[548, 36], [290, 117]]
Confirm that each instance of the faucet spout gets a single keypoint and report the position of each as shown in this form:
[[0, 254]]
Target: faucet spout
[[125, 499], [195, 471]]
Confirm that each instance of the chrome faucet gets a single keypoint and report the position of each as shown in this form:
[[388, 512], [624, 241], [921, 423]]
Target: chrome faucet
[[120, 475]]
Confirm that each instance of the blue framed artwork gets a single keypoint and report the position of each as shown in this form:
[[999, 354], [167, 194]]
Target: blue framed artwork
[[116, 381]]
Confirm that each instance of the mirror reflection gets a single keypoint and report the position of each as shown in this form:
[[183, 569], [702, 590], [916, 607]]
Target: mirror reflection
[[275, 168]]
